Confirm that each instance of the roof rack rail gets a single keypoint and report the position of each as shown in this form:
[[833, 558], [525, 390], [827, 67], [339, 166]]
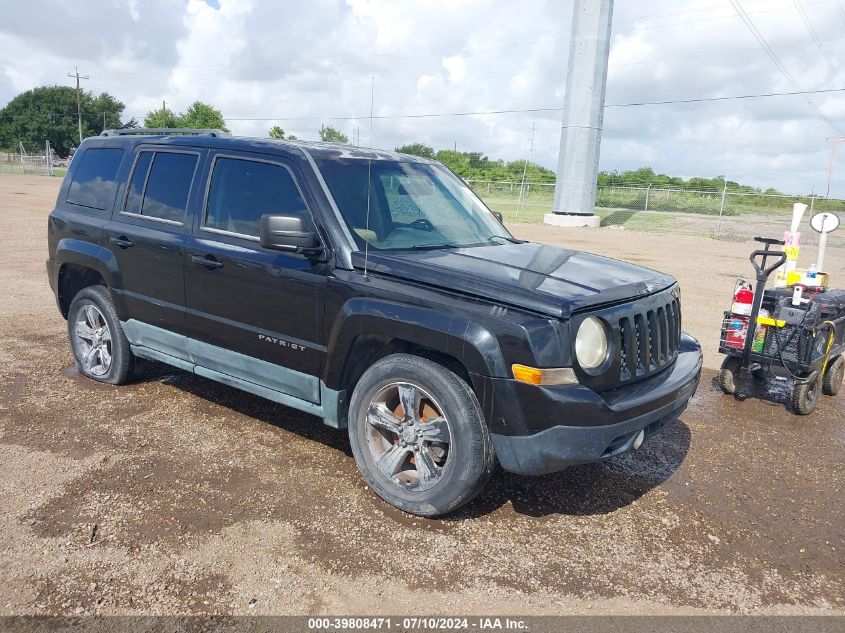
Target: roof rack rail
[[163, 131]]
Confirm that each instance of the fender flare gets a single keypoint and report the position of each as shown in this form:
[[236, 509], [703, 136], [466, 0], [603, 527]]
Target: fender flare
[[93, 256], [470, 343]]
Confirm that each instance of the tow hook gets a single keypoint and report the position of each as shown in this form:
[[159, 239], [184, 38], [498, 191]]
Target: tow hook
[[638, 441]]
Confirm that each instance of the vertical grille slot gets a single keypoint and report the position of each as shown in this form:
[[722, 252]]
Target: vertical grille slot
[[649, 340], [643, 351], [670, 328], [674, 326], [653, 340], [627, 349], [663, 330]]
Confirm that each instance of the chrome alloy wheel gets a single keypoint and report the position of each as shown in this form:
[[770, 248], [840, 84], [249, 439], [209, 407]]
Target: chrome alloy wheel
[[408, 436], [92, 341]]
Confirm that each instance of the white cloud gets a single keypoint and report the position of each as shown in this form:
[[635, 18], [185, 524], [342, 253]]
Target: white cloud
[[297, 64]]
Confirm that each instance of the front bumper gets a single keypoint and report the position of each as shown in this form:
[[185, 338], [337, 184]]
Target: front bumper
[[597, 426]]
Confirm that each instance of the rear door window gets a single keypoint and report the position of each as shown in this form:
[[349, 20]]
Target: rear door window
[[94, 179], [243, 190], [160, 185]]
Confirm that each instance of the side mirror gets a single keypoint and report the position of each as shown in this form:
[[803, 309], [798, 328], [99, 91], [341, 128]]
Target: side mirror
[[289, 234], [498, 216]]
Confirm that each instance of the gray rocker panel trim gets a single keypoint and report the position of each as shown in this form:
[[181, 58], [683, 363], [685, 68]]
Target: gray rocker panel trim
[[274, 382], [254, 370]]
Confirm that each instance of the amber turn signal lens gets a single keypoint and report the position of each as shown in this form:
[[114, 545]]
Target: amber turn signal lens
[[535, 376]]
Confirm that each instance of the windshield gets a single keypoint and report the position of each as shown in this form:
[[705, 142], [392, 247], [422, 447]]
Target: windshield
[[412, 205]]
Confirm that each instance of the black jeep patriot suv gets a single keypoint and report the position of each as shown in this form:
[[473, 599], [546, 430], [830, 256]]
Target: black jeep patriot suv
[[371, 289]]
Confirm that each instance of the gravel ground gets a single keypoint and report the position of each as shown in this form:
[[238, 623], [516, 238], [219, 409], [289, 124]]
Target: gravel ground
[[178, 495]]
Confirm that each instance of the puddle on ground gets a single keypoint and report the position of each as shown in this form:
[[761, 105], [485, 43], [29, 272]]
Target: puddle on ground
[[80, 379], [71, 372]]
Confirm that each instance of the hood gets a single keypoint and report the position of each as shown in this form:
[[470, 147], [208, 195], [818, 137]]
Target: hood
[[537, 277]]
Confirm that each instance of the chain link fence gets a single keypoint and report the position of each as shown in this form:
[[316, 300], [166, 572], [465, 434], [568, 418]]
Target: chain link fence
[[39, 161], [727, 215]]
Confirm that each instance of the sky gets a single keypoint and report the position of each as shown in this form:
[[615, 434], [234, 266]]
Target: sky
[[300, 64]]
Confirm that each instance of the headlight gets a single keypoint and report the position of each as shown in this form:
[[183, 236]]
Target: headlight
[[591, 343]]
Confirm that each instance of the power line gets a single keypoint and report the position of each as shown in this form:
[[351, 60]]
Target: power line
[[710, 8], [728, 98], [530, 110], [816, 39], [839, 8], [762, 41], [642, 27], [393, 116], [732, 51], [631, 104], [677, 58]]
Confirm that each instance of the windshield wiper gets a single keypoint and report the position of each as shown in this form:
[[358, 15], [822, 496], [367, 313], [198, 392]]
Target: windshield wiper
[[512, 240], [420, 247]]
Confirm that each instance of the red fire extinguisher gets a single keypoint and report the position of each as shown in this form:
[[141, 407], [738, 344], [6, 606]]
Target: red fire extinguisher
[[737, 323]]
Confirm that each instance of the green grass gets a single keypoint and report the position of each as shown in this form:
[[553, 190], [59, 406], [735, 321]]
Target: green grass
[[637, 221], [623, 206], [15, 168], [533, 214], [530, 213]]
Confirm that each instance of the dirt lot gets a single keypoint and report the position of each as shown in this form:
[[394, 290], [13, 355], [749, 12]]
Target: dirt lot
[[208, 500]]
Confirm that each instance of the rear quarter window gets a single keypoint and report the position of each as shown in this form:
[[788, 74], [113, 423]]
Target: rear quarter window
[[94, 179]]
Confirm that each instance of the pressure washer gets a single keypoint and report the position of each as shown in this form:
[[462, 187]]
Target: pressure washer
[[794, 330]]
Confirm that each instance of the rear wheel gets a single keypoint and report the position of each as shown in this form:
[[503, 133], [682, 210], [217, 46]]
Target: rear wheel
[[99, 345], [728, 375], [805, 395], [418, 435], [833, 376]]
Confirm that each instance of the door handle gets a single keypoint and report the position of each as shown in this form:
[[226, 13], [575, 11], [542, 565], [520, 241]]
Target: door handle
[[122, 241], [206, 261]]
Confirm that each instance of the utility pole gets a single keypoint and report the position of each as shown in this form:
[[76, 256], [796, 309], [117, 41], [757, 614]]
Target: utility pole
[[722, 203], [78, 100], [583, 115], [834, 141], [524, 171]]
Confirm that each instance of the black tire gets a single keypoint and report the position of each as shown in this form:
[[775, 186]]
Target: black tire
[[834, 376], [805, 395], [760, 374], [123, 366], [467, 455], [728, 374]]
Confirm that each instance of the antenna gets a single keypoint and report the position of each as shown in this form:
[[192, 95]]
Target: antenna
[[369, 180]]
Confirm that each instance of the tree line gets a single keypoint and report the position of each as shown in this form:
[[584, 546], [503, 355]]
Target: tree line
[[645, 176], [477, 166], [48, 113]]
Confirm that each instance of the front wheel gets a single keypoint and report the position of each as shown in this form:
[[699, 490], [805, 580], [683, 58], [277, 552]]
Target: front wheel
[[728, 375], [418, 435]]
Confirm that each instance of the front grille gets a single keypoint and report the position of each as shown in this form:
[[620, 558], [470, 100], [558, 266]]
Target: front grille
[[648, 340]]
